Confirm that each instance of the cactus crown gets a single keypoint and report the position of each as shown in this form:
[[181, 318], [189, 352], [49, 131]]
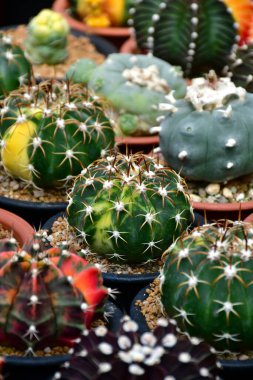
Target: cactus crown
[[161, 354], [47, 295], [128, 207], [206, 284]]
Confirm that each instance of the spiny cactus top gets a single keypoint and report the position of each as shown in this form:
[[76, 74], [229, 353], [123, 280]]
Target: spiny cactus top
[[51, 131], [47, 38], [15, 69], [208, 136], [129, 207], [207, 284], [47, 295], [198, 35], [163, 355]]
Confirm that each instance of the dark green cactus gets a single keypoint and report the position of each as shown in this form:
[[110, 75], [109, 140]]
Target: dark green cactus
[[207, 286], [51, 131], [197, 35], [162, 354], [47, 296], [15, 69], [207, 136], [129, 207]]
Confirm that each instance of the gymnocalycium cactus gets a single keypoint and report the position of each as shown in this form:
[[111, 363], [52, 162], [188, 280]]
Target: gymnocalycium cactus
[[15, 69], [129, 207], [197, 35], [207, 136], [51, 131], [206, 284], [161, 354], [47, 38], [48, 296]]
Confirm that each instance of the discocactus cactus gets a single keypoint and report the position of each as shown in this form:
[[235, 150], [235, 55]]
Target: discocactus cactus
[[51, 131], [129, 207], [47, 38], [161, 354], [206, 284], [48, 296], [188, 134], [15, 69], [197, 35]]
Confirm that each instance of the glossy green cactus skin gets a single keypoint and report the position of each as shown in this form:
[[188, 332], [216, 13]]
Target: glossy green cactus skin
[[15, 69], [129, 208], [47, 296], [206, 285], [63, 127], [197, 35]]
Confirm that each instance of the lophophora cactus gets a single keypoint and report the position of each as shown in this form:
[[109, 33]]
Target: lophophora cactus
[[188, 134], [161, 354], [51, 131], [129, 207], [47, 296], [15, 69], [198, 35], [207, 286]]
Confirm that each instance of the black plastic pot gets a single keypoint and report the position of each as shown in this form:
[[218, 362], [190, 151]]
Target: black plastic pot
[[43, 368], [231, 369]]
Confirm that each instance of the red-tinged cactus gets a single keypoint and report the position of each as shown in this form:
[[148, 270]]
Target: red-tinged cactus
[[47, 296], [162, 354]]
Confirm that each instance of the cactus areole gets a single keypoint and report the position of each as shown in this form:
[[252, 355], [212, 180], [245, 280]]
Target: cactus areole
[[129, 207], [207, 285], [47, 296], [51, 131], [208, 135]]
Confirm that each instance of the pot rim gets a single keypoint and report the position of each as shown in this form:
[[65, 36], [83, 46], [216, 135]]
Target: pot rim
[[137, 140], [23, 232]]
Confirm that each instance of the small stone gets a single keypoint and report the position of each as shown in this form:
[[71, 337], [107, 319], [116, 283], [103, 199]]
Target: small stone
[[240, 197], [202, 192], [243, 357], [233, 189], [213, 189], [195, 198], [250, 194], [227, 193]]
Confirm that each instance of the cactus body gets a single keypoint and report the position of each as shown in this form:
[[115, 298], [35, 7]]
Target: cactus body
[[129, 207], [206, 285], [47, 295], [207, 136], [50, 132], [15, 69]]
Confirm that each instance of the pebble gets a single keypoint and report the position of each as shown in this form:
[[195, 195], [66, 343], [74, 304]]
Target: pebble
[[202, 192], [213, 189], [227, 193], [195, 198], [240, 197]]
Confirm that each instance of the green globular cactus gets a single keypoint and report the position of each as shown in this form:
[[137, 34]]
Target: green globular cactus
[[206, 284], [51, 131], [47, 38], [197, 35], [48, 296], [207, 136], [127, 354], [15, 69], [129, 207]]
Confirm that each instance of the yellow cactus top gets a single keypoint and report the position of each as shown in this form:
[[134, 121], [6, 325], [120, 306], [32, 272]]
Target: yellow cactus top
[[48, 22]]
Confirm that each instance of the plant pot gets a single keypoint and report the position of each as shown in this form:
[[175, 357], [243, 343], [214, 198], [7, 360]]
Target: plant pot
[[116, 34], [249, 218], [43, 368], [21, 230], [137, 144], [129, 46], [232, 369]]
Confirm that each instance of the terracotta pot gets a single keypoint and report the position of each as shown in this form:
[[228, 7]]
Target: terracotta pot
[[117, 34], [137, 144], [249, 218], [129, 46], [22, 231]]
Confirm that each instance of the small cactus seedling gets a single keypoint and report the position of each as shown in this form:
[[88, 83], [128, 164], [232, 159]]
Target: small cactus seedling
[[15, 69], [51, 131], [129, 207], [161, 354], [207, 286], [207, 136], [47, 295]]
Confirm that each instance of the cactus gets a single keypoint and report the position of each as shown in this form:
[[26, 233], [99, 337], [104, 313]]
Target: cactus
[[15, 69], [129, 207], [188, 135], [206, 284], [161, 354], [51, 131], [47, 296], [47, 38], [197, 35]]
